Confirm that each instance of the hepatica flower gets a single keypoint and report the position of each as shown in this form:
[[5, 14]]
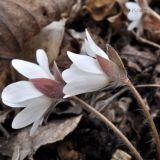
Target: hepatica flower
[[93, 71], [135, 15], [36, 95]]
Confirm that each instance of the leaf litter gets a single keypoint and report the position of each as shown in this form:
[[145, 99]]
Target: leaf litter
[[88, 139]]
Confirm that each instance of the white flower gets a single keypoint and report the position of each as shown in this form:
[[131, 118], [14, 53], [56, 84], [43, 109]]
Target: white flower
[[135, 15], [90, 72], [36, 95]]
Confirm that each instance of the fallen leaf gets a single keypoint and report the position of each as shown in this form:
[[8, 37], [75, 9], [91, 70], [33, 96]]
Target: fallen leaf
[[50, 39], [66, 153], [152, 25], [144, 58], [24, 145], [99, 8], [20, 20], [69, 44], [120, 155]]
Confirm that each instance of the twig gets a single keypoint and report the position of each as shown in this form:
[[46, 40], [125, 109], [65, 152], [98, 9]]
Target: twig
[[143, 40], [4, 131], [110, 99], [9, 58], [110, 125], [147, 85]]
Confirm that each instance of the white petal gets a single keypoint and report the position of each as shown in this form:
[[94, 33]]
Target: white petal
[[29, 70], [19, 92], [32, 113], [17, 105], [135, 12], [85, 63], [35, 126], [81, 82], [42, 60], [132, 25], [92, 49], [132, 5]]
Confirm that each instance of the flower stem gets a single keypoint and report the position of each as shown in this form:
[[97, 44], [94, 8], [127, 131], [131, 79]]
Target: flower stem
[[110, 125], [147, 114]]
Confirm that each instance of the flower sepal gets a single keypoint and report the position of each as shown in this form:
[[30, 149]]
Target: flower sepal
[[113, 67], [50, 88]]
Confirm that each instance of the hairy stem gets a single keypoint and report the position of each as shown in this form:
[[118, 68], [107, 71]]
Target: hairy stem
[[147, 114], [108, 123]]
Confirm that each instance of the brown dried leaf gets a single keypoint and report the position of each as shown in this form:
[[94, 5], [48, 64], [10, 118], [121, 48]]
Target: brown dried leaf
[[69, 44], [23, 145], [144, 58], [121, 155], [20, 20], [99, 8], [50, 39], [67, 154], [152, 25], [134, 66]]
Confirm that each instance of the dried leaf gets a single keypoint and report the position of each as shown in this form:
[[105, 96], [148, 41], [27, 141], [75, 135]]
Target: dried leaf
[[68, 44], [134, 66], [116, 18], [152, 25], [50, 39], [99, 8], [144, 58], [24, 145], [20, 20], [67, 154], [120, 155]]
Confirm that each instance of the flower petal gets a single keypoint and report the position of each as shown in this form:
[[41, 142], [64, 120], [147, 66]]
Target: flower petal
[[81, 82], [42, 60], [85, 63], [132, 25], [30, 114], [29, 70], [135, 12], [19, 92], [35, 126], [16, 105], [132, 5], [92, 49]]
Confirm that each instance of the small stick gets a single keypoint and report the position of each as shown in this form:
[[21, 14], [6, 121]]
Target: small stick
[[110, 99], [110, 125], [4, 131], [143, 40]]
